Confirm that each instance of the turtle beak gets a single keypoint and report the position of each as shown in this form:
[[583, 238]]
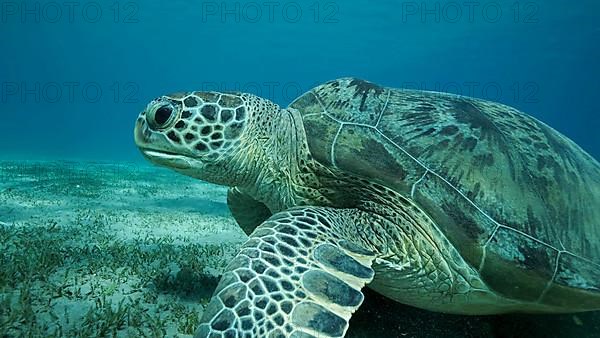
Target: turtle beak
[[141, 133], [147, 142]]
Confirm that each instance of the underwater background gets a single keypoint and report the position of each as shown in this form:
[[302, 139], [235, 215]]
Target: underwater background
[[75, 75], [94, 242]]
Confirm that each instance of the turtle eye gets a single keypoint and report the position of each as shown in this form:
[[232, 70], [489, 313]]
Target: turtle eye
[[161, 117]]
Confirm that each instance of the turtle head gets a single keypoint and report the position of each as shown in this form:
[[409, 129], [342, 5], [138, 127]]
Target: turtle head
[[202, 134]]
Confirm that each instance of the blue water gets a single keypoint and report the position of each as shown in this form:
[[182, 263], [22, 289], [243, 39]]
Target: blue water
[[539, 56]]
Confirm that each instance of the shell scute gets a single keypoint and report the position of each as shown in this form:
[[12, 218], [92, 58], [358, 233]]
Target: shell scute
[[498, 183]]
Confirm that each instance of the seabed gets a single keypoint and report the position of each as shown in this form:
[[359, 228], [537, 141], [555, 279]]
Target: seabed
[[131, 250]]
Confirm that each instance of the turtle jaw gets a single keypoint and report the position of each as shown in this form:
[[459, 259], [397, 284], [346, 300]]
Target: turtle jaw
[[169, 160], [188, 166], [149, 145]]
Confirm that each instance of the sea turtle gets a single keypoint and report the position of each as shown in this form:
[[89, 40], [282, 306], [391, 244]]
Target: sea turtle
[[439, 201]]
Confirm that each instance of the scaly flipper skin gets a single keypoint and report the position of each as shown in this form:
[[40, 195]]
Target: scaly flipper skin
[[248, 212], [295, 277]]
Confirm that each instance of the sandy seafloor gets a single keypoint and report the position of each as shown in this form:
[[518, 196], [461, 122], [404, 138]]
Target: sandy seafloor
[[131, 250]]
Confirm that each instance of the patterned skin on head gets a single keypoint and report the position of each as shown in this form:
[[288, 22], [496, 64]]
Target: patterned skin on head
[[206, 124], [209, 135]]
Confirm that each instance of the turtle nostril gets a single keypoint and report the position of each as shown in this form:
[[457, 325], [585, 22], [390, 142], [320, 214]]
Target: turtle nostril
[[162, 115]]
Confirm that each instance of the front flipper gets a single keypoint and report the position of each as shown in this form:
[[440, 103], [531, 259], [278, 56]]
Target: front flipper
[[248, 212], [295, 277]]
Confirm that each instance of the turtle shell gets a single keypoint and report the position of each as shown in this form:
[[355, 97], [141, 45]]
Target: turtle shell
[[520, 201]]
